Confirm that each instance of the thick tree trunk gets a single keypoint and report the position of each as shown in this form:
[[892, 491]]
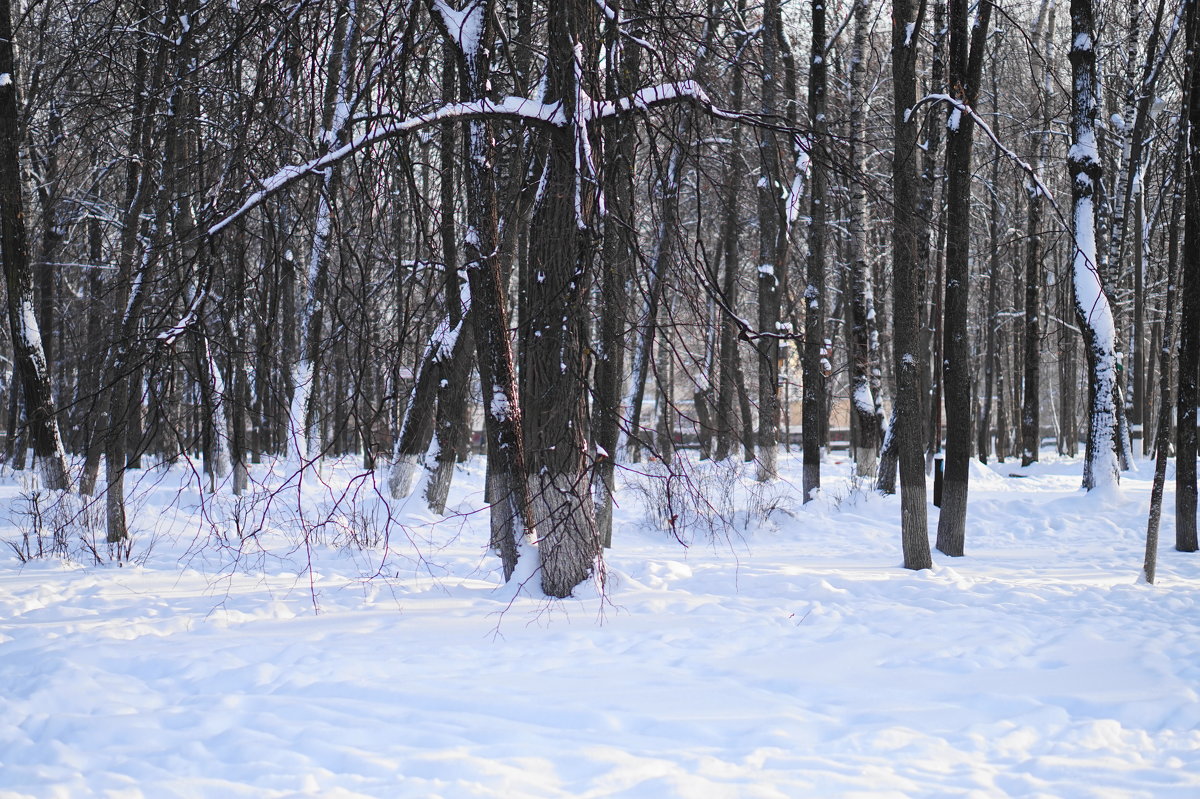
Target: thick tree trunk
[[1091, 302], [966, 64], [28, 354], [906, 297], [512, 533], [554, 356]]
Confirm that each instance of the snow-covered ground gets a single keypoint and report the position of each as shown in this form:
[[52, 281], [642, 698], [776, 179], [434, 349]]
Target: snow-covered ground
[[787, 655]]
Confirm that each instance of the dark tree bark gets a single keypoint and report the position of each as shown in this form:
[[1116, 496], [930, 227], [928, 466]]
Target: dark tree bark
[[813, 403], [731, 384], [1162, 436], [1189, 317], [772, 241], [1031, 435], [28, 353], [931, 211], [865, 427], [554, 352], [617, 268], [966, 65], [512, 531], [906, 297]]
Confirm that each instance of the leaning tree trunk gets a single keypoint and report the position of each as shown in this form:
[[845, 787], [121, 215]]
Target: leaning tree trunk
[[40, 412], [966, 65], [304, 429], [512, 532], [906, 293], [1162, 434], [1091, 302], [444, 347]]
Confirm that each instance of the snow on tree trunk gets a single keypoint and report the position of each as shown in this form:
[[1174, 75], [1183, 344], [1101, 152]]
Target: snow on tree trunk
[[303, 428], [771, 240], [1091, 302], [512, 534], [50, 457], [865, 426]]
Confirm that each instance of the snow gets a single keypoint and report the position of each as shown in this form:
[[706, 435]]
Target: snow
[[862, 399], [28, 331], [785, 655], [464, 26]]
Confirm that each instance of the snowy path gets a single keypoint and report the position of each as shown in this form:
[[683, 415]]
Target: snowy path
[[794, 660]]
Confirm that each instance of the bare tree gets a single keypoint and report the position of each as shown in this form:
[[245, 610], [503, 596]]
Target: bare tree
[[28, 351], [1091, 301], [905, 293], [966, 67]]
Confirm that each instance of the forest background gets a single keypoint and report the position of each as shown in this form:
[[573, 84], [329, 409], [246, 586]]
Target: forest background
[[592, 233]]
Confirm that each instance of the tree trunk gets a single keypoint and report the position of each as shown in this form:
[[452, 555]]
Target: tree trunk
[[554, 356], [966, 65], [304, 430], [909, 357], [813, 364], [1162, 436], [1189, 317], [1091, 302], [40, 411], [864, 438], [730, 367], [617, 268], [1031, 435], [931, 212], [512, 532]]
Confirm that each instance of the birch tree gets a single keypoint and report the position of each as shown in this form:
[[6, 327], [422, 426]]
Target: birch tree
[[1091, 301]]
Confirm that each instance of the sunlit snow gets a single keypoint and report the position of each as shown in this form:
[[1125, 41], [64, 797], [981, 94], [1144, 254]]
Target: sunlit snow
[[780, 650]]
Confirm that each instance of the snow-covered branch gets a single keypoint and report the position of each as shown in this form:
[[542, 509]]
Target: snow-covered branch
[[1024, 166], [520, 108], [516, 108]]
